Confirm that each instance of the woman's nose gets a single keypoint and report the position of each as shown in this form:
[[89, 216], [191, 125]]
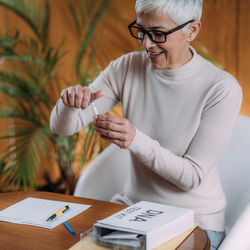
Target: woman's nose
[[146, 42]]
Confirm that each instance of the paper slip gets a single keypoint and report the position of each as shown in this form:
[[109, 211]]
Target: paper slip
[[122, 238], [35, 212], [120, 235]]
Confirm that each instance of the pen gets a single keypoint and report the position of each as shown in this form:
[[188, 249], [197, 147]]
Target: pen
[[53, 216], [69, 228], [94, 109]]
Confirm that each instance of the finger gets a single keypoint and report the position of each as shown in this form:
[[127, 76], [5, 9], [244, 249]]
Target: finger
[[112, 126], [121, 144], [71, 96], [111, 118], [86, 94], [112, 134], [64, 97], [98, 94], [78, 96]]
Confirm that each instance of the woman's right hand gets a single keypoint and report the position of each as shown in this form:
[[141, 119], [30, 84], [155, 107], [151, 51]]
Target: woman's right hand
[[79, 96]]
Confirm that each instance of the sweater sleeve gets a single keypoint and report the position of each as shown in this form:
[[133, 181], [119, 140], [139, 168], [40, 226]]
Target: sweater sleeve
[[207, 146], [68, 121]]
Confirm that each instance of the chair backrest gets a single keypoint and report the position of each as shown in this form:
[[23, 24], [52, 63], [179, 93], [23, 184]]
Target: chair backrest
[[106, 174], [238, 237], [234, 171]]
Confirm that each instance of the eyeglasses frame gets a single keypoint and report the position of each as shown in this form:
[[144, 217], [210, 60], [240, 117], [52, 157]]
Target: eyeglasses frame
[[149, 34]]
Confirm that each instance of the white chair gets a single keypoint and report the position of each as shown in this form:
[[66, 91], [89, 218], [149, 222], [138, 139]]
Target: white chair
[[238, 236], [234, 170], [107, 173]]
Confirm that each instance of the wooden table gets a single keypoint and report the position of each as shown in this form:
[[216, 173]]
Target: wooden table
[[15, 236]]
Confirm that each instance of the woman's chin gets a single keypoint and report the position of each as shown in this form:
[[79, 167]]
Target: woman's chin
[[158, 65]]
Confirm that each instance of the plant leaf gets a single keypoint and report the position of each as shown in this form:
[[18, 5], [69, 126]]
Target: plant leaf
[[35, 14], [90, 34]]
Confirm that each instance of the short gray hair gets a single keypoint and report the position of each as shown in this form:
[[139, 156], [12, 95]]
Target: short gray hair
[[180, 11]]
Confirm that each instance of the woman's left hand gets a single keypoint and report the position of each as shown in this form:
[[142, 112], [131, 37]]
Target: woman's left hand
[[117, 130]]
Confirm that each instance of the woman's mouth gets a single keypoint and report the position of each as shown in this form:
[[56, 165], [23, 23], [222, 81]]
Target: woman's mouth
[[154, 55]]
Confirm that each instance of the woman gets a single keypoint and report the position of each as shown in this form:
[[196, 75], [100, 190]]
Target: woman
[[179, 112]]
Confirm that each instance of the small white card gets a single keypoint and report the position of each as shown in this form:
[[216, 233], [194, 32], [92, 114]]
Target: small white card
[[121, 235], [35, 212]]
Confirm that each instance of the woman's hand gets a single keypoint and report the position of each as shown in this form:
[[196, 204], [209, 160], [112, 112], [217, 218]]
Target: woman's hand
[[79, 96], [117, 130]]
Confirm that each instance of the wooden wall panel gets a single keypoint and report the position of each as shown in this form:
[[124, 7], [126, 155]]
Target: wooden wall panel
[[224, 33], [114, 38], [244, 53], [219, 32]]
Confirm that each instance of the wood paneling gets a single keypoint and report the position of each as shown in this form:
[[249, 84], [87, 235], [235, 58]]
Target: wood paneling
[[224, 33], [219, 32], [116, 37], [243, 61]]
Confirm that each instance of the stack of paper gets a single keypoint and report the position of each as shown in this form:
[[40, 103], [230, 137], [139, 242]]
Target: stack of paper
[[35, 212]]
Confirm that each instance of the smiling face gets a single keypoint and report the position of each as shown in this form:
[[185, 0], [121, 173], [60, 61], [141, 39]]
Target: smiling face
[[175, 51]]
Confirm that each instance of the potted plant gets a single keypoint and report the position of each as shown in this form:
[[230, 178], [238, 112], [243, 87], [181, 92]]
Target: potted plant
[[29, 80]]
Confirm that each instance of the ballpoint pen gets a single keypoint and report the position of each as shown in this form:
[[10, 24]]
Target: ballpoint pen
[[53, 216], [69, 228]]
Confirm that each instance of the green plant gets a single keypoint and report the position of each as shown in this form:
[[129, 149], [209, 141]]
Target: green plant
[[30, 81]]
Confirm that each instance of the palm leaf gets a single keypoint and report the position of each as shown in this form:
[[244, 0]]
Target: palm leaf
[[22, 167], [74, 16], [23, 89], [90, 33], [14, 114], [35, 14], [65, 147], [90, 140], [82, 10], [7, 43], [45, 23], [29, 79], [30, 82]]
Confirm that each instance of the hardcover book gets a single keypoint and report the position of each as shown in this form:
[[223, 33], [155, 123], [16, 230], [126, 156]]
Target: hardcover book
[[144, 225]]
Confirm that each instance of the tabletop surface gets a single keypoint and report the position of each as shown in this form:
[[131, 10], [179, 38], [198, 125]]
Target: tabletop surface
[[16, 236]]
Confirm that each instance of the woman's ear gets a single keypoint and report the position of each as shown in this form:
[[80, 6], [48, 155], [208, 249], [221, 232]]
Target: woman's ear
[[193, 30]]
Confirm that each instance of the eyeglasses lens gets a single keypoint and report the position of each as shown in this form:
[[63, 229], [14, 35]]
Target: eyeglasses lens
[[155, 36]]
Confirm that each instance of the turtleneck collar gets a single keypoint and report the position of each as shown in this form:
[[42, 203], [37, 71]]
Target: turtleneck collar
[[183, 71]]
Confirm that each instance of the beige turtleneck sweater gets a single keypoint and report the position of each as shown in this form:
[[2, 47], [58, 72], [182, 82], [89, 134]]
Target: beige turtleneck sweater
[[184, 119]]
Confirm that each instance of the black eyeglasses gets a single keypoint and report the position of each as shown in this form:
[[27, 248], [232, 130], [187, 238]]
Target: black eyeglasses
[[156, 36]]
